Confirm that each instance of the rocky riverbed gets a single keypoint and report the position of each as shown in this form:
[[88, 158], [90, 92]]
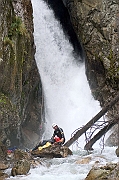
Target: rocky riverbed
[[20, 162]]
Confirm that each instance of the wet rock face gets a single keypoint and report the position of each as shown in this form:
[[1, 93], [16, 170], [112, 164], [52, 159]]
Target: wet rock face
[[20, 104], [109, 172], [21, 167], [3, 151], [97, 25]]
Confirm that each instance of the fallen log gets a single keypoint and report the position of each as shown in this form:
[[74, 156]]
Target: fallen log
[[89, 145], [91, 122]]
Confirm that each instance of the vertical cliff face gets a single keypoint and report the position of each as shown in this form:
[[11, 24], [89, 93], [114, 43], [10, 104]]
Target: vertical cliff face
[[97, 25], [20, 87]]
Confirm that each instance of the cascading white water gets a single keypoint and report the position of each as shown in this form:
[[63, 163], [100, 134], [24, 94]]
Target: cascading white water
[[68, 100]]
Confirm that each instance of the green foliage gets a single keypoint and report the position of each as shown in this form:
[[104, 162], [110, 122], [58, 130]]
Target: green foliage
[[17, 27], [8, 41], [3, 99]]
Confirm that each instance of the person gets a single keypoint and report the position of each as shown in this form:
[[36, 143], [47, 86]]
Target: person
[[43, 143], [58, 137]]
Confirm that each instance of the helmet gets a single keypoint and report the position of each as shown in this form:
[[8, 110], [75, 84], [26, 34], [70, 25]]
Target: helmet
[[53, 125]]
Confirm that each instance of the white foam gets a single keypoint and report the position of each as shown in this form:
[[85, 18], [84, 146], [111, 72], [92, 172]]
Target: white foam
[[68, 168], [68, 99]]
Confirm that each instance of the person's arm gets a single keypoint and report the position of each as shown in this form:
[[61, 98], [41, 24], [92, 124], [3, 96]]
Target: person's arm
[[62, 134], [61, 140]]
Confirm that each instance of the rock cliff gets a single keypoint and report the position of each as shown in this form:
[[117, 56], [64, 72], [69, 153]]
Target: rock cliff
[[20, 86], [96, 24]]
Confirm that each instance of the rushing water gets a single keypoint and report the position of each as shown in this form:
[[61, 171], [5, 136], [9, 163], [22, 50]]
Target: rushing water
[[70, 168], [68, 100], [67, 96]]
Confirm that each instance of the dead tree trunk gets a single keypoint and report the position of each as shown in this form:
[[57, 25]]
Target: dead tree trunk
[[91, 122], [89, 145]]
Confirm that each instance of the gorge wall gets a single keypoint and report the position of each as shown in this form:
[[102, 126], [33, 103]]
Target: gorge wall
[[96, 24], [20, 86]]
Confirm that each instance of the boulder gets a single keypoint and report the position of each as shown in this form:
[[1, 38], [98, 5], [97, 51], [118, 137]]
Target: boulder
[[53, 151], [84, 160], [3, 166], [117, 152], [21, 167], [19, 155], [3, 175], [108, 172]]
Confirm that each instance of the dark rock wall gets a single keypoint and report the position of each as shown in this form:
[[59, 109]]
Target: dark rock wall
[[96, 23], [20, 86]]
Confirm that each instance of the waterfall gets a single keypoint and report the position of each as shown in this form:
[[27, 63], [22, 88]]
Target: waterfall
[[68, 100], [67, 97]]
